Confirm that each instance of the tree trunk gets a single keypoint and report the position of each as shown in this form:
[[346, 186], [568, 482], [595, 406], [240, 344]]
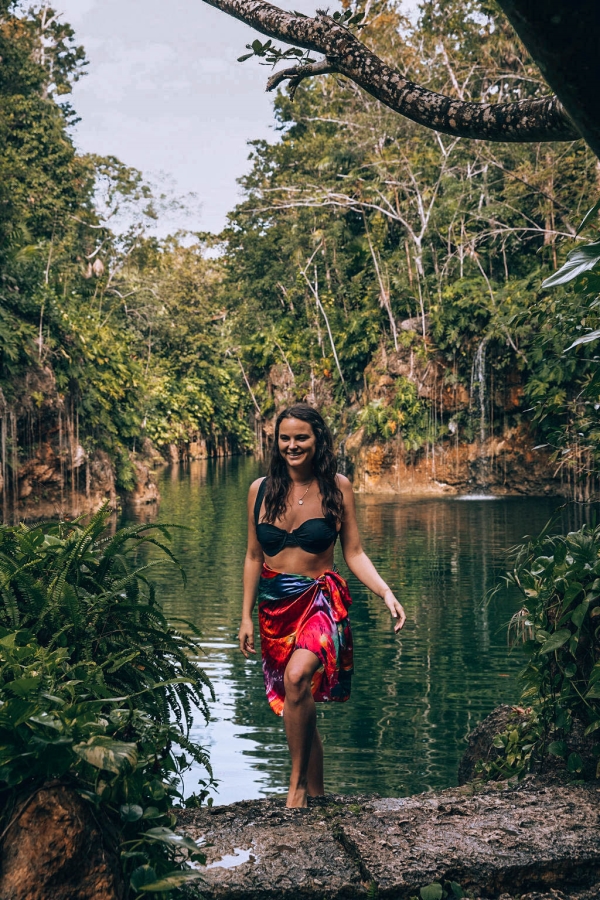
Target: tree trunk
[[55, 850], [564, 40]]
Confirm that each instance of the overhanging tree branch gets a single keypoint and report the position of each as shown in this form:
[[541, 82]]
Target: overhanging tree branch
[[526, 120]]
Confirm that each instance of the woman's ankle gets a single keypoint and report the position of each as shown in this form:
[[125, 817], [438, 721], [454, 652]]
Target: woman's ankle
[[297, 798]]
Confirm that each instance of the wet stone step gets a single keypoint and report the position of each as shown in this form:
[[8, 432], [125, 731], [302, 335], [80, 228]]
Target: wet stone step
[[498, 842]]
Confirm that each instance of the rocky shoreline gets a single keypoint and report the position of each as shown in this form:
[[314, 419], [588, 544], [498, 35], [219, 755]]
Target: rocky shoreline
[[538, 839], [530, 840]]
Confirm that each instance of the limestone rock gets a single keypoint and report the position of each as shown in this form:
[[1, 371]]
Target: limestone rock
[[499, 840], [54, 850]]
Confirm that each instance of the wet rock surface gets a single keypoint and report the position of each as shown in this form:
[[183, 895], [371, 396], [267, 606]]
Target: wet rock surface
[[531, 841]]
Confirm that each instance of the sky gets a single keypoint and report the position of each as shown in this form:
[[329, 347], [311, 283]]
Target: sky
[[165, 94]]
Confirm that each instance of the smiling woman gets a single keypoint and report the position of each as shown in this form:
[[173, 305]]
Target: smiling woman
[[295, 516]]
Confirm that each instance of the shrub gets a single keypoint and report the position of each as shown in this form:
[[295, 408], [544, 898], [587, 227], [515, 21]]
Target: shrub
[[559, 578], [97, 688]]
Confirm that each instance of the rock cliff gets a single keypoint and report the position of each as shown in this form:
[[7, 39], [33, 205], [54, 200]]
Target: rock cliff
[[45, 471]]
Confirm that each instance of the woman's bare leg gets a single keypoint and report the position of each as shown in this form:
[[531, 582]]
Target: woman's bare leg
[[300, 719], [315, 767]]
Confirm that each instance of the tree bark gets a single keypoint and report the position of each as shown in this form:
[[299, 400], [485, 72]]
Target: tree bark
[[564, 41], [526, 120]]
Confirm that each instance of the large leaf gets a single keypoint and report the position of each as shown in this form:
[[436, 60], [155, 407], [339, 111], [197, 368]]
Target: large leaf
[[166, 836], [590, 214], [178, 879], [556, 640], [432, 891], [580, 260], [104, 753], [585, 339]]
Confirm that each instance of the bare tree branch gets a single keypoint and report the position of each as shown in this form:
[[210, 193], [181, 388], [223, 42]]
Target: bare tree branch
[[525, 120]]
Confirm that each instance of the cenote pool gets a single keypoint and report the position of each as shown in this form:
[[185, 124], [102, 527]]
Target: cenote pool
[[416, 696]]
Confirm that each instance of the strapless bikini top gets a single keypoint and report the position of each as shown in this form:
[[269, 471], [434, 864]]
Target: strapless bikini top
[[313, 536]]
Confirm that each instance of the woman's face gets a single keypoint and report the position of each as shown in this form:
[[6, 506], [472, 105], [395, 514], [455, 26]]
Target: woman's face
[[297, 443]]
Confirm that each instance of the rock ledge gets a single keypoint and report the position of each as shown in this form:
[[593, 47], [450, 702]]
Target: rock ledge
[[498, 841]]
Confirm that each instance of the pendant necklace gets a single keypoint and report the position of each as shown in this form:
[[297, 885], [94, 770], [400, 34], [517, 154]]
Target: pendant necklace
[[301, 500]]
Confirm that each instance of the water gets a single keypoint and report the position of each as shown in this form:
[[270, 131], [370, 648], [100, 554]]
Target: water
[[414, 697]]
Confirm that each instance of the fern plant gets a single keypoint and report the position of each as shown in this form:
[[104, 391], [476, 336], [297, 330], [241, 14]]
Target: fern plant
[[97, 688], [74, 588]]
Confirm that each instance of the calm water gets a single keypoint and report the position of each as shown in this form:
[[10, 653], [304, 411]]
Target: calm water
[[415, 697]]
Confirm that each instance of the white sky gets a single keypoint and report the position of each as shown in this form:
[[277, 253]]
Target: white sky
[[165, 94]]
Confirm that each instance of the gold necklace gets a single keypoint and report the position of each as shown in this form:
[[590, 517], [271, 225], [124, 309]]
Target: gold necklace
[[301, 500]]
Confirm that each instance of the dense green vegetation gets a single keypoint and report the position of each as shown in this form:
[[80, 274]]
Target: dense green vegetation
[[97, 689], [124, 332], [559, 626], [361, 234], [357, 219]]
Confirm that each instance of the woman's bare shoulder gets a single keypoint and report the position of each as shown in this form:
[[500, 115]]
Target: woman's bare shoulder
[[253, 490], [343, 483]]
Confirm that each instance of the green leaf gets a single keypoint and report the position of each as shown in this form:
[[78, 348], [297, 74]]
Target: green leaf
[[457, 890], [21, 687], [557, 748], [594, 726], [178, 879], [574, 763], [433, 891], [594, 692], [131, 812], [580, 260], [104, 753], [590, 214], [142, 876], [579, 614], [556, 640], [167, 836], [584, 339]]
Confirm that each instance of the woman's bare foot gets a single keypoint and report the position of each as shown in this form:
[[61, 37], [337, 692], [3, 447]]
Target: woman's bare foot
[[297, 798]]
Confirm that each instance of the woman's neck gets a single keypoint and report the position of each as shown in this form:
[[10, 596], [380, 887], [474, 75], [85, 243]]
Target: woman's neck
[[301, 476]]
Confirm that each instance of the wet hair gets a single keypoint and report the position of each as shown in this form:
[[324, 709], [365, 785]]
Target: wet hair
[[279, 482]]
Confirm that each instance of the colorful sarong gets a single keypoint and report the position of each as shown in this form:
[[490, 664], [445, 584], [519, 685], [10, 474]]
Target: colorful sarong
[[297, 612]]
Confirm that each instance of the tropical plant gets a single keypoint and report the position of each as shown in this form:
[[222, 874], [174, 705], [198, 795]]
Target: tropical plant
[[559, 579], [97, 688], [565, 383]]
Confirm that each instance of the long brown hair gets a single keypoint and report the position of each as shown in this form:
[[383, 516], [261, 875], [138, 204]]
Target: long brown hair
[[324, 467]]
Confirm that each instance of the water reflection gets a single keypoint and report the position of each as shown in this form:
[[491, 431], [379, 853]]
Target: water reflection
[[414, 697]]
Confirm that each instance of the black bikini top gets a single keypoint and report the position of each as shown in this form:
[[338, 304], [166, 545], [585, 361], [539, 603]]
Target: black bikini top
[[313, 536]]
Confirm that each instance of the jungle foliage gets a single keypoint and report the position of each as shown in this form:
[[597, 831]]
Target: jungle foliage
[[559, 627], [126, 329], [359, 232], [356, 221], [97, 689]]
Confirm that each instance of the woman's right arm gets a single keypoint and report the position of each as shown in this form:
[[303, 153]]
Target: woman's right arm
[[252, 568]]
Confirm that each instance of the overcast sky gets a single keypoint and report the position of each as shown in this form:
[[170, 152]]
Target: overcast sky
[[165, 94]]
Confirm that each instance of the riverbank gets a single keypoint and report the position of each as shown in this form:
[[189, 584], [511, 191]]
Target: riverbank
[[504, 841]]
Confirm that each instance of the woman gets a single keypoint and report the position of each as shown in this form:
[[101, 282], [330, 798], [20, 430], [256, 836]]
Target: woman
[[294, 518]]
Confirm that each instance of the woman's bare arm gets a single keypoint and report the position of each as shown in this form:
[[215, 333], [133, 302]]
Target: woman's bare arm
[[252, 569], [357, 560]]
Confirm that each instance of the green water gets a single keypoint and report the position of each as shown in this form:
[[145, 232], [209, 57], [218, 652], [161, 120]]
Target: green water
[[415, 697]]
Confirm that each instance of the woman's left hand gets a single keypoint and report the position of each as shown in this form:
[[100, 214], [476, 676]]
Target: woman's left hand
[[396, 609]]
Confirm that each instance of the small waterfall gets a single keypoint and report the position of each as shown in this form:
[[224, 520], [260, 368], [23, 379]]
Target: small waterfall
[[14, 464], [478, 401], [3, 442]]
